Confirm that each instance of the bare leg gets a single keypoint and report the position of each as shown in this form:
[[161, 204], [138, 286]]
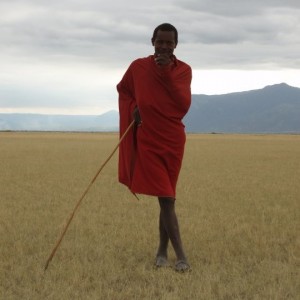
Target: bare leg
[[169, 229], [163, 239], [162, 252]]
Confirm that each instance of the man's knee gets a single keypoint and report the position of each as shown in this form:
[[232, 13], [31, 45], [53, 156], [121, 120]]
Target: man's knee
[[166, 203]]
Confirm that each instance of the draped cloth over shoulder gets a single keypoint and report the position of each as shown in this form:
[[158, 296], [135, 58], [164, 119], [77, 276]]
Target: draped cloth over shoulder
[[150, 156]]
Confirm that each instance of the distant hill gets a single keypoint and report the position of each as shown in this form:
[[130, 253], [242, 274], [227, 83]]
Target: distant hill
[[273, 109], [37, 122]]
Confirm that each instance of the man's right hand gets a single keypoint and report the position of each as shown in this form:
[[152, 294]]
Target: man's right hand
[[136, 116], [163, 59]]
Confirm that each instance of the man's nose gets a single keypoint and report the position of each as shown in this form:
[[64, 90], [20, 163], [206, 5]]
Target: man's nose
[[164, 45]]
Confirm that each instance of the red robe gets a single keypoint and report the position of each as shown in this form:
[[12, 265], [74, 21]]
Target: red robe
[[150, 156]]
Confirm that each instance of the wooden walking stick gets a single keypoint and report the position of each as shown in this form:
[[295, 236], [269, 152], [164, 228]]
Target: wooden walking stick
[[83, 195]]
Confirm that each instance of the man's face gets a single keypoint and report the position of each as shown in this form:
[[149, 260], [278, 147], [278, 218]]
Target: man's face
[[164, 43]]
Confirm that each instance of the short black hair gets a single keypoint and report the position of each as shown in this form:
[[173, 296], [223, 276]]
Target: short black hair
[[165, 27]]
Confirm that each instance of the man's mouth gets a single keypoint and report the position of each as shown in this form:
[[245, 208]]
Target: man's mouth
[[170, 53]]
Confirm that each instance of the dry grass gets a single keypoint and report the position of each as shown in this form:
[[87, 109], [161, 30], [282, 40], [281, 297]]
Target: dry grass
[[237, 203]]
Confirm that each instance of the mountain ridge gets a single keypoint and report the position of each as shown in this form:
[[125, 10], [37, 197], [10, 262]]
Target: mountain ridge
[[272, 109]]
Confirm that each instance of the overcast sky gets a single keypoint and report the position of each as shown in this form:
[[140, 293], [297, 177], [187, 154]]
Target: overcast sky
[[66, 57]]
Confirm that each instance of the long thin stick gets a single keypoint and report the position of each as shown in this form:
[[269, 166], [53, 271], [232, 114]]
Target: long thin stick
[[83, 195]]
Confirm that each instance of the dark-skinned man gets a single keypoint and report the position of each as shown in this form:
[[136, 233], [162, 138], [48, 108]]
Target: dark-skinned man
[[155, 92]]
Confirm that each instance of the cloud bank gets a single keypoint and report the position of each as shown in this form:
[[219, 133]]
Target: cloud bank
[[70, 54]]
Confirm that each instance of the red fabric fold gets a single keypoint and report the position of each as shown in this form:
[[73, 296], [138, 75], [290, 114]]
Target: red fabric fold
[[150, 156]]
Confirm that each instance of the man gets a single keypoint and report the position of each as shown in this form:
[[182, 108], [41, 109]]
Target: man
[[156, 92]]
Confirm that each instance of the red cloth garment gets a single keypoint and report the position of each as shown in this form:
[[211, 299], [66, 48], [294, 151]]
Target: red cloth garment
[[150, 156]]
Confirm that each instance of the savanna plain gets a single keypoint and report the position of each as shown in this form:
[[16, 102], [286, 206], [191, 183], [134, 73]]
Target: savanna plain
[[237, 202]]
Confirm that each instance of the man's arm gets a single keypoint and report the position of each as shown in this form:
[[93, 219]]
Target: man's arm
[[177, 81]]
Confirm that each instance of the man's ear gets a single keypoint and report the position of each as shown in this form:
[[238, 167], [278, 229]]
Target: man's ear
[[152, 42]]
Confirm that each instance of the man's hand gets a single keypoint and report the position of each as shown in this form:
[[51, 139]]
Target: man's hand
[[163, 59], [136, 116]]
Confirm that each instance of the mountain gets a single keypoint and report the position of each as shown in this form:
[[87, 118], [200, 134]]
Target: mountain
[[108, 121], [273, 109]]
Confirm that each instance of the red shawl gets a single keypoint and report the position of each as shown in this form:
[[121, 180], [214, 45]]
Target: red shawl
[[150, 156]]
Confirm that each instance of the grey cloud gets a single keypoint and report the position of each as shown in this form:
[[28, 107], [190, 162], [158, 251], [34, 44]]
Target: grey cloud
[[234, 7], [97, 32], [217, 34], [87, 36]]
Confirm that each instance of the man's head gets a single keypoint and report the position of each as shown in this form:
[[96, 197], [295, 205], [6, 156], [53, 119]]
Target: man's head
[[165, 38], [165, 27]]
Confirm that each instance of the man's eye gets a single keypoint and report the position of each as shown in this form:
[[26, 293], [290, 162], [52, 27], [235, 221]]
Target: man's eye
[[169, 43]]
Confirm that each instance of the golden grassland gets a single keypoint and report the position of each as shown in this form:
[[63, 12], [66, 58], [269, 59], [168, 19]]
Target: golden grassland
[[237, 203]]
